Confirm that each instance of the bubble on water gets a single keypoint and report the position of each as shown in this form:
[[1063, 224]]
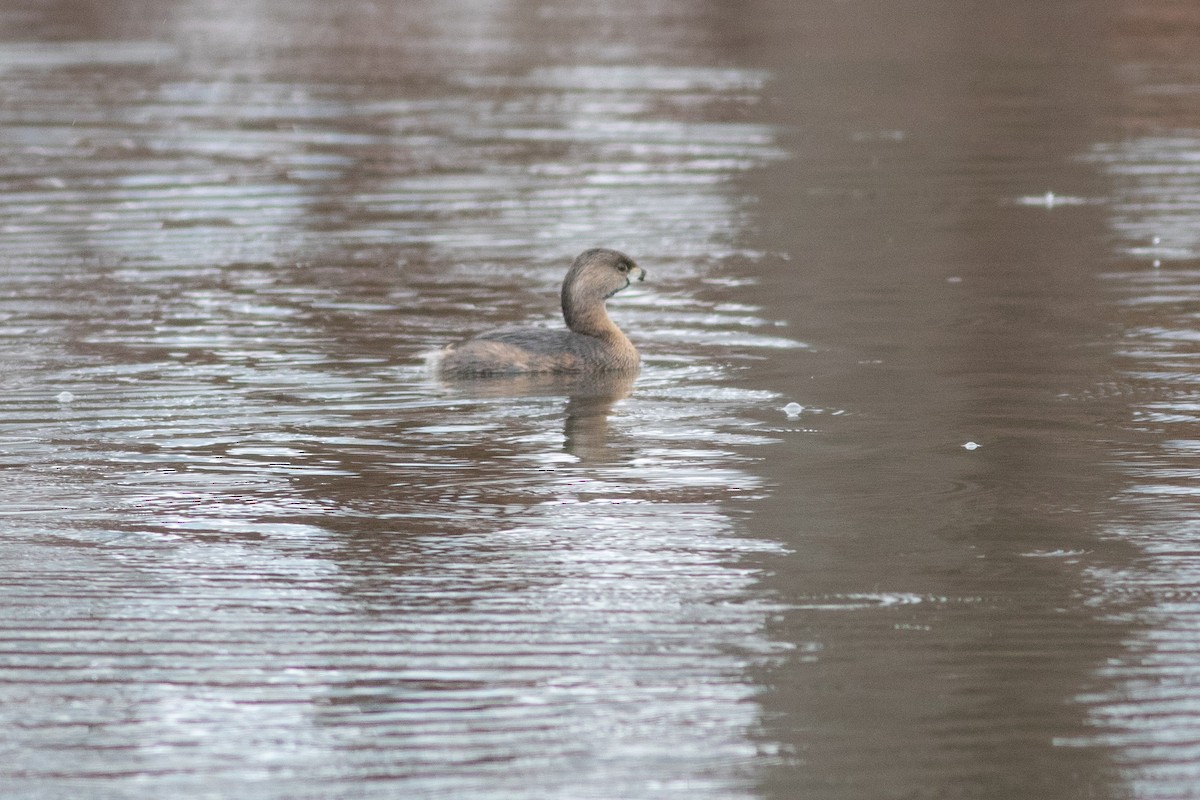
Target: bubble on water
[[64, 397], [972, 446], [793, 410]]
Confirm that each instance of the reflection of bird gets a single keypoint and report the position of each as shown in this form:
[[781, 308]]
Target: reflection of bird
[[594, 343]]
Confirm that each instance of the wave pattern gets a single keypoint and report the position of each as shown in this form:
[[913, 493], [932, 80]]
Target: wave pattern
[[1149, 715], [249, 547]]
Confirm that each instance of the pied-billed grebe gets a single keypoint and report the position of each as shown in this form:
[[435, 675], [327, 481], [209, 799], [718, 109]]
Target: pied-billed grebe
[[594, 343]]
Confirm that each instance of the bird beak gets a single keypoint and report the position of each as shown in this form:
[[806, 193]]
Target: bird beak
[[641, 273]]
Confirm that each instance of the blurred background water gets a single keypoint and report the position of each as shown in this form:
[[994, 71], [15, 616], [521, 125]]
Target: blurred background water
[[251, 547]]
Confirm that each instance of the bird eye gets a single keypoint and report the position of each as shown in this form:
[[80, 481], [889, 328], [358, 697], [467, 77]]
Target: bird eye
[[622, 267]]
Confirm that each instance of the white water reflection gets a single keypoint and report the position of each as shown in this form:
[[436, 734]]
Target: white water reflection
[[1150, 714], [262, 553], [1159, 194], [587, 625]]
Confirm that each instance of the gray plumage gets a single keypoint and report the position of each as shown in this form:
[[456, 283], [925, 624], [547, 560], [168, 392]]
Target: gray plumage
[[592, 343]]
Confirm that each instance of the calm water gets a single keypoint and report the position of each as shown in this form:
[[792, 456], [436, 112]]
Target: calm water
[[250, 547]]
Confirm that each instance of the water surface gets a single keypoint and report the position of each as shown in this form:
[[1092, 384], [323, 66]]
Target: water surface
[[252, 547]]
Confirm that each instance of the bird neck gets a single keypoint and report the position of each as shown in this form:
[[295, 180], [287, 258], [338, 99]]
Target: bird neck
[[592, 320]]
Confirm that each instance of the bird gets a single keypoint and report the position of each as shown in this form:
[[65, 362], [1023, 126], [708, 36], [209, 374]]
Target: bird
[[591, 343]]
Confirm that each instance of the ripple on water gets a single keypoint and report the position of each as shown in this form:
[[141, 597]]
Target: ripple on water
[[1146, 708], [261, 546], [858, 601]]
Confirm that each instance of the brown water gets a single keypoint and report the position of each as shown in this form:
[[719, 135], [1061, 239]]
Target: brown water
[[250, 547]]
